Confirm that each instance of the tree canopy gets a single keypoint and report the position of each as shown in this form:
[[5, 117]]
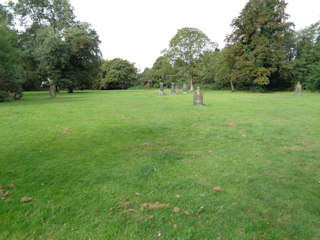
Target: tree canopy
[[188, 45], [117, 74], [260, 44]]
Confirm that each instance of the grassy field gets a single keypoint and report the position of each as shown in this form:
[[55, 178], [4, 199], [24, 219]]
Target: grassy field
[[133, 165]]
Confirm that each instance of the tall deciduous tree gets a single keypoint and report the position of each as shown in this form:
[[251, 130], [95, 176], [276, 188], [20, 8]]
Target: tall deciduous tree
[[55, 13], [307, 61], [188, 45], [259, 46], [10, 56], [72, 59]]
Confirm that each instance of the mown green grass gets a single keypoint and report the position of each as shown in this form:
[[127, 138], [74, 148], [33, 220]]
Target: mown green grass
[[81, 154]]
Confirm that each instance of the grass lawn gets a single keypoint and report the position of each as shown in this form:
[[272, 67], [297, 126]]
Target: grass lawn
[[133, 165]]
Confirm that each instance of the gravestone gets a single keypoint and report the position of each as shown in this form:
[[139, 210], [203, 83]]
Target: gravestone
[[298, 89], [184, 88], [53, 91], [198, 98], [161, 90], [173, 92], [178, 90]]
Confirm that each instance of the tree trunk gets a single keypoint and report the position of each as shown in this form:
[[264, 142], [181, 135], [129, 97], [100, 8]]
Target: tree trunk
[[191, 82], [53, 91], [70, 90], [232, 87]]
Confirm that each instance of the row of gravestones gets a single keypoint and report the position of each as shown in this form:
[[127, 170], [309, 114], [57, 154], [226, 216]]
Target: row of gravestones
[[197, 97]]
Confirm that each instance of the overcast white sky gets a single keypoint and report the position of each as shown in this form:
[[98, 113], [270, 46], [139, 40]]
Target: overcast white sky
[[138, 30]]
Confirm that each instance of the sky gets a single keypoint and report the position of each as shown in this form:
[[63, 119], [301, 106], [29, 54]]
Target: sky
[[138, 30]]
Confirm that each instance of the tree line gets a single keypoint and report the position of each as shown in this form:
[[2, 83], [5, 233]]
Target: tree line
[[53, 49]]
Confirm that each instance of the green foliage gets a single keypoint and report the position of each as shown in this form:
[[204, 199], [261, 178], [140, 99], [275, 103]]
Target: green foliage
[[161, 71], [117, 74], [307, 61], [10, 56], [72, 59], [143, 79], [57, 14], [188, 45], [260, 46]]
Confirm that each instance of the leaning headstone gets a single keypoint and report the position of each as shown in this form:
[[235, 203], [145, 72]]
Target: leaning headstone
[[173, 92], [161, 90], [198, 98], [298, 89], [184, 88]]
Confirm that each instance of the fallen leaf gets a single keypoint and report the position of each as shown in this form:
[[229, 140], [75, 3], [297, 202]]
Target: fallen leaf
[[153, 205], [201, 208], [218, 238], [175, 226], [164, 149], [227, 179], [8, 200], [150, 217], [1, 186], [202, 195], [120, 204], [178, 196], [7, 193], [11, 185], [187, 213], [130, 211], [234, 204], [137, 193], [146, 144], [26, 199], [319, 182], [176, 209], [220, 207], [244, 135], [217, 189], [240, 232]]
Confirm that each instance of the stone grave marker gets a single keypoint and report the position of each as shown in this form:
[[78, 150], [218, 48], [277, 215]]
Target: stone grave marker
[[198, 98], [298, 89], [173, 92], [184, 88], [161, 90]]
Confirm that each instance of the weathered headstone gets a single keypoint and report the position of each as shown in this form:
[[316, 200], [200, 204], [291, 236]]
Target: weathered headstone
[[178, 90], [198, 98], [173, 92], [53, 91], [298, 89], [184, 88], [161, 90]]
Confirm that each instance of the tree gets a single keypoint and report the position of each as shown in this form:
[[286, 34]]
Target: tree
[[260, 45], [72, 59], [10, 56], [206, 67], [307, 61], [188, 45], [222, 71], [55, 13], [144, 78], [161, 71], [117, 74]]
